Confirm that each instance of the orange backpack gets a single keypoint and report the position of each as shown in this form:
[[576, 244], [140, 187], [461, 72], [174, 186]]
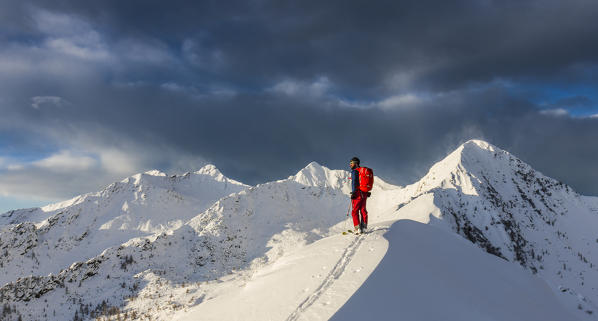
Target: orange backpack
[[366, 179]]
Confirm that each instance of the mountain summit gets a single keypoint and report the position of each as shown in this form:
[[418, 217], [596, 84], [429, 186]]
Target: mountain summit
[[315, 174], [504, 206], [466, 165]]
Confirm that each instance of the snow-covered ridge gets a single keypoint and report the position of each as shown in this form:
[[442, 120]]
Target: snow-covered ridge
[[42, 241], [206, 173], [175, 242]]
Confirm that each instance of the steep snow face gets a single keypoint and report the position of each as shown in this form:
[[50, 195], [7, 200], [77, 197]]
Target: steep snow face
[[139, 206], [512, 211], [428, 274]]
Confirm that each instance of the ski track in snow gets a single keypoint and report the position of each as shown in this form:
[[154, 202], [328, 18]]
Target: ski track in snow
[[335, 274]]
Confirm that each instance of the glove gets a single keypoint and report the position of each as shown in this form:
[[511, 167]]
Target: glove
[[369, 194], [353, 195]]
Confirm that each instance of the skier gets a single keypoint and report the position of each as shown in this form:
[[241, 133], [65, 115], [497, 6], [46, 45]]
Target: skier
[[359, 194]]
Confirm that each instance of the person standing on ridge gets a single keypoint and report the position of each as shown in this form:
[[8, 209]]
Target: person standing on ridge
[[362, 179]]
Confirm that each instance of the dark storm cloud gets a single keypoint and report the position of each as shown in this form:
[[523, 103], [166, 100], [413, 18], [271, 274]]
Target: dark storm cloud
[[366, 48], [261, 137], [573, 104], [261, 88]]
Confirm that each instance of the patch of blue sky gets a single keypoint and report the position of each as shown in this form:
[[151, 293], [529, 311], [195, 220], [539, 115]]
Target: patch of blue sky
[[8, 203], [23, 150], [23, 156], [578, 100]]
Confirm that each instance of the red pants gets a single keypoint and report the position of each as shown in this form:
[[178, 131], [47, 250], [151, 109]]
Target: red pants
[[359, 206]]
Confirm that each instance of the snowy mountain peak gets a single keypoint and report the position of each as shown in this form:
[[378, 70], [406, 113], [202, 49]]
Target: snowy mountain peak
[[474, 150], [209, 170], [313, 168], [479, 144], [155, 172], [507, 208], [469, 163], [315, 174], [139, 177], [215, 174]]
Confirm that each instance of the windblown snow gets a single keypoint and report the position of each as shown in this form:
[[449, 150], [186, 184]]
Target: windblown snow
[[481, 236]]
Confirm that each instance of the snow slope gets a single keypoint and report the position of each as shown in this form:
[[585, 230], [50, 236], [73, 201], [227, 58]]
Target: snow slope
[[429, 274], [425, 274], [310, 283], [403, 270]]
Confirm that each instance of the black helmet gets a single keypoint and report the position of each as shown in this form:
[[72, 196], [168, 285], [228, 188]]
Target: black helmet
[[355, 159]]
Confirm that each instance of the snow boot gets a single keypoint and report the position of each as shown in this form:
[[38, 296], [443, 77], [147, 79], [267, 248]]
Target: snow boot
[[363, 227], [357, 230]]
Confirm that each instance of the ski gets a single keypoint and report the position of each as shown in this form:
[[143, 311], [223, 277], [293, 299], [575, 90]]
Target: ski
[[352, 232]]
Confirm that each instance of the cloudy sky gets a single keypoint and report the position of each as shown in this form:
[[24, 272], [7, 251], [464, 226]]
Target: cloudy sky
[[94, 91]]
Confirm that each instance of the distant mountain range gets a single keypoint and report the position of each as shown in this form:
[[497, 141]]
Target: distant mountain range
[[154, 245]]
